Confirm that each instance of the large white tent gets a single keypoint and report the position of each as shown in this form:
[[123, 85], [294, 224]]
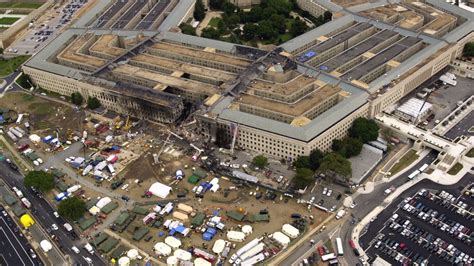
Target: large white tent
[[160, 190]]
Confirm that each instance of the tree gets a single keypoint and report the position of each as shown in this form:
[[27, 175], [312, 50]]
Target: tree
[[303, 177], [266, 31], [327, 16], [278, 21], [301, 162], [255, 14], [39, 180], [216, 4], [469, 49], [76, 98], [298, 27], [250, 31], [335, 164], [364, 129], [315, 158], [347, 147], [93, 103], [24, 81], [199, 11], [229, 8], [187, 29], [210, 33], [260, 161], [72, 208], [231, 21]]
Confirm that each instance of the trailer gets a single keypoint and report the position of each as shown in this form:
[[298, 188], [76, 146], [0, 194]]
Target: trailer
[[423, 167], [252, 252], [111, 169], [18, 120], [87, 169], [26, 202], [204, 254], [327, 257], [12, 136], [253, 260], [244, 249], [20, 130], [16, 132]]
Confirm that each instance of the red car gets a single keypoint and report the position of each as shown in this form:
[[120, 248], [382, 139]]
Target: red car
[[351, 243], [320, 250]]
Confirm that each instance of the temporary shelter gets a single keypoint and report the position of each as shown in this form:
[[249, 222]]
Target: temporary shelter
[[247, 229], [201, 262], [180, 216], [172, 261], [124, 261], [290, 230], [26, 220], [35, 138], [182, 254], [161, 249], [281, 238], [94, 210], [160, 190], [46, 245], [102, 202], [235, 236], [132, 254], [219, 246], [185, 208], [173, 242]]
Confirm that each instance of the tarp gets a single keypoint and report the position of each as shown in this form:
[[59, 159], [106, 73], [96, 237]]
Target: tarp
[[199, 173], [9, 199], [198, 219], [99, 239], [122, 218], [139, 210], [140, 233], [109, 207], [118, 252], [193, 179], [108, 245], [261, 217], [91, 203], [160, 190]]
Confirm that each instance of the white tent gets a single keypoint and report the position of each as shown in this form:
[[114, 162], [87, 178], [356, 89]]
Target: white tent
[[172, 261], [235, 236], [160, 190], [290, 230], [219, 246], [281, 238], [185, 208], [35, 138], [173, 242], [94, 210], [46, 245], [102, 202], [132, 254], [247, 229], [162, 249], [201, 262], [124, 261], [182, 254]]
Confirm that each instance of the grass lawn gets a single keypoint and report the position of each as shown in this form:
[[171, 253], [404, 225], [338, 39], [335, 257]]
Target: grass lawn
[[20, 5], [470, 153], [405, 161], [9, 65], [455, 169], [8, 20], [214, 21], [285, 37]]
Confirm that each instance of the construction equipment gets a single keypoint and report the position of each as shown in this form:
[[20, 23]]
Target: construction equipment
[[127, 125]]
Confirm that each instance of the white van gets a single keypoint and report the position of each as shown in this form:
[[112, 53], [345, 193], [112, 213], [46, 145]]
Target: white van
[[75, 249], [89, 248]]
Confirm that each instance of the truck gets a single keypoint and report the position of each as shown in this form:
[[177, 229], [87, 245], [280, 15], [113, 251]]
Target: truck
[[340, 213], [244, 249], [17, 192], [68, 227], [20, 130], [388, 191], [250, 253], [18, 120], [12, 136], [16, 132]]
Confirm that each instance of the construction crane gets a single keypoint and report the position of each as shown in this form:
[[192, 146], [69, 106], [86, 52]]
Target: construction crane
[[128, 125]]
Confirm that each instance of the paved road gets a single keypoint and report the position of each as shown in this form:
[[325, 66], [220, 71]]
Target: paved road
[[462, 127], [43, 212], [365, 204], [10, 81], [14, 249]]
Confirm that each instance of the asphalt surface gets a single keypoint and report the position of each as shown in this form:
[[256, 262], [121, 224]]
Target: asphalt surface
[[379, 225], [10, 81], [365, 204], [43, 212], [462, 127], [14, 248]]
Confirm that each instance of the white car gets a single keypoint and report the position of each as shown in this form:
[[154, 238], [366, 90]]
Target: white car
[[75, 249], [54, 227], [67, 160], [353, 205], [325, 190], [329, 193], [88, 260], [56, 214]]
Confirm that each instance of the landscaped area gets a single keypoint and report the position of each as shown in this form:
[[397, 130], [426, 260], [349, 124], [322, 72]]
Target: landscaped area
[[20, 5], [8, 20], [272, 22], [7, 66], [455, 169], [405, 161]]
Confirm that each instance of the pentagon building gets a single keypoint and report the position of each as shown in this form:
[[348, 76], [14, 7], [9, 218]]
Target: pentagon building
[[284, 102]]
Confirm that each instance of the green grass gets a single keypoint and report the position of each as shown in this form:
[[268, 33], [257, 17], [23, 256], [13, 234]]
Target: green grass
[[8, 20], [470, 153], [405, 161], [20, 5], [214, 21], [7, 66], [455, 169]]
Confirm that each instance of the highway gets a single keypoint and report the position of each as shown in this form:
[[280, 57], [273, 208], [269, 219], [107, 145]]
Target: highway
[[343, 228], [43, 213], [14, 248]]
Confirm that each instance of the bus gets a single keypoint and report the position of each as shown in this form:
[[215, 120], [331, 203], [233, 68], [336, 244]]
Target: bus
[[414, 174], [340, 250], [423, 168]]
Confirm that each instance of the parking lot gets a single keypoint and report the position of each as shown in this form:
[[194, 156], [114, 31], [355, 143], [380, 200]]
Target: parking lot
[[428, 226], [46, 28]]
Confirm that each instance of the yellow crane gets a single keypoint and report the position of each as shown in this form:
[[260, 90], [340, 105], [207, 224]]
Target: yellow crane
[[127, 124]]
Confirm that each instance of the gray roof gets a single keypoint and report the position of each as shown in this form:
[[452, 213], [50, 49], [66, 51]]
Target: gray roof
[[177, 15], [92, 14], [203, 42]]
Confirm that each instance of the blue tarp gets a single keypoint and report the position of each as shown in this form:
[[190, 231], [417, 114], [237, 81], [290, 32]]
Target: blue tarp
[[180, 229], [211, 230], [207, 236]]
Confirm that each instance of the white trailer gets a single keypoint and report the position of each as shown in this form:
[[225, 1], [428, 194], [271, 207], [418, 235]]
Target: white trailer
[[244, 249], [252, 252], [12, 136], [253, 260]]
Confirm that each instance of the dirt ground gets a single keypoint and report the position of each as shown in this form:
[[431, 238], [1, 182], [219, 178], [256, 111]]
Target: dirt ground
[[43, 115]]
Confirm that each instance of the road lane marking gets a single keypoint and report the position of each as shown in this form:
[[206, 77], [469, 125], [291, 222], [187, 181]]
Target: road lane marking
[[19, 242]]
